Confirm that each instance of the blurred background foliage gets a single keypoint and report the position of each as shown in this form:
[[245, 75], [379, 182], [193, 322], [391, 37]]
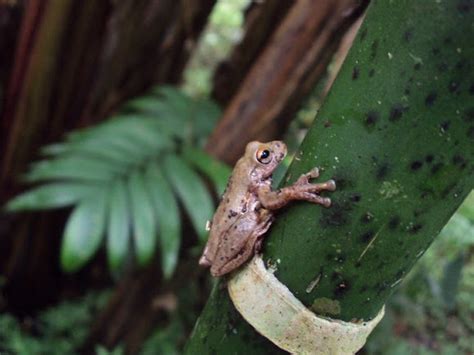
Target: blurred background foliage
[[122, 175], [431, 313]]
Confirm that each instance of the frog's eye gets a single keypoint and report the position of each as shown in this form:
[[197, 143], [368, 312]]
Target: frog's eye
[[263, 156]]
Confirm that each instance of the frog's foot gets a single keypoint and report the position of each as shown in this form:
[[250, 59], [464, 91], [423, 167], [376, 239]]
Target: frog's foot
[[329, 185], [311, 197], [304, 179]]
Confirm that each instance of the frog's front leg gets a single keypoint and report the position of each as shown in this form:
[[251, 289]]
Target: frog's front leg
[[302, 189]]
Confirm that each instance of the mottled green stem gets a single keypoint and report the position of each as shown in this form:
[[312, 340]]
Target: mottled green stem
[[397, 134]]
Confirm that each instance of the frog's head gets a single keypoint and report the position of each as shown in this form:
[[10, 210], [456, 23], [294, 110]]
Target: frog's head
[[265, 157]]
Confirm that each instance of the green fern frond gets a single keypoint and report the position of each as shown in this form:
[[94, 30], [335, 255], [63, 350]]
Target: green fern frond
[[124, 178]]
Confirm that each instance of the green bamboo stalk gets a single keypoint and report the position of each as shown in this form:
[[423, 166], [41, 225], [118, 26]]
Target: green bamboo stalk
[[396, 133]]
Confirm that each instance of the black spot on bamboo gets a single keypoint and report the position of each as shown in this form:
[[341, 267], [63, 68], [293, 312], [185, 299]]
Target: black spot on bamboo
[[407, 91], [418, 212], [437, 167], [415, 228], [453, 87], [471, 89], [382, 172], [460, 65], [355, 198], [459, 161], [343, 181], [373, 49], [372, 72], [371, 118], [394, 222], [341, 289], [445, 125], [363, 34], [367, 236], [417, 66], [396, 112], [431, 98], [337, 215], [355, 73], [429, 158], [416, 165], [408, 35], [435, 51]]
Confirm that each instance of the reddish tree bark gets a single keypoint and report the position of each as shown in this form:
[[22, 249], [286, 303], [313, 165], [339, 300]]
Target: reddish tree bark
[[295, 58], [261, 20], [147, 42]]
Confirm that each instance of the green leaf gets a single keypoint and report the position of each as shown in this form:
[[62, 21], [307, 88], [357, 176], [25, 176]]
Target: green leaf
[[142, 131], [167, 213], [204, 116], [109, 148], [143, 219], [83, 232], [72, 168], [191, 191], [467, 208], [118, 231], [52, 196], [216, 171], [451, 277], [136, 135], [174, 98]]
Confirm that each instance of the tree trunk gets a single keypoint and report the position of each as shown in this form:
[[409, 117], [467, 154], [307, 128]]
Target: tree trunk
[[261, 20], [10, 16], [293, 61], [396, 133], [75, 62]]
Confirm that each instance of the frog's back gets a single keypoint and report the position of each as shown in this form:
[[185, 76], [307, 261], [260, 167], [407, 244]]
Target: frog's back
[[235, 203], [235, 206]]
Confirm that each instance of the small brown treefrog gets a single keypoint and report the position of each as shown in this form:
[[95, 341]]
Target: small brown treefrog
[[246, 210]]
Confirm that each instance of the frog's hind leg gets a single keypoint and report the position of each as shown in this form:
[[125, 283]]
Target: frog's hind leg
[[262, 229], [241, 257], [252, 245]]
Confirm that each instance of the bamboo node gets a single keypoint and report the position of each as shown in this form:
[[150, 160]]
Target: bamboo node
[[270, 307]]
